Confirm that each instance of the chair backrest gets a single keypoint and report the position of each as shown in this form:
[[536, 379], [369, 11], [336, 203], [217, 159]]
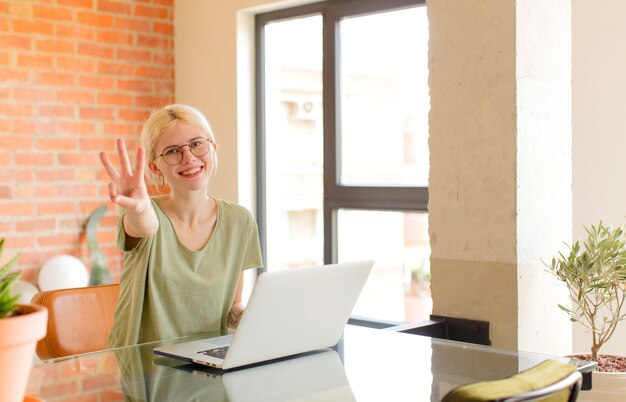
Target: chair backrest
[[571, 384], [79, 319], [550, 380]]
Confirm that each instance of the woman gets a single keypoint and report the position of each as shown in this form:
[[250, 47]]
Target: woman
[[184, 252]]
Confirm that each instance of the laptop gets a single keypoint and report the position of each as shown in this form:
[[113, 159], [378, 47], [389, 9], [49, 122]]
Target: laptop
[[289, 312]]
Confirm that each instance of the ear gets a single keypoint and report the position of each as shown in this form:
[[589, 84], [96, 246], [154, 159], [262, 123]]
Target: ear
[[154, 168]]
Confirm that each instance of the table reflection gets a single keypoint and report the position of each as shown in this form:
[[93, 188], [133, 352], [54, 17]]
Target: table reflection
[[316, 376], [367, 365]]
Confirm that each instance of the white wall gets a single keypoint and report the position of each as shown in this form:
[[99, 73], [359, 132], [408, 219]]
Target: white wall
[[599, 126]]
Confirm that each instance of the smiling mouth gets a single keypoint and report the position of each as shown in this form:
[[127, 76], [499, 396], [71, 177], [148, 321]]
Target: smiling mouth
[[190, 172]]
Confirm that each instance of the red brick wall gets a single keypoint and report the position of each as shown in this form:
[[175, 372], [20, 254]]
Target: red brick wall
[[74, 75], [89, 378]]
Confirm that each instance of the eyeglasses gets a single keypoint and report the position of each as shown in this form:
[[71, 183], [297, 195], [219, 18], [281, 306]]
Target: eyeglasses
[[174, 154]]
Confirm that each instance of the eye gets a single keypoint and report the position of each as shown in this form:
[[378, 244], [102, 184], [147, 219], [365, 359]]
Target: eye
[[171, 151], [196, 143]]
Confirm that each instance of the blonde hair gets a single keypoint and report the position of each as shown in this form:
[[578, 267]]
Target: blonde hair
[[165, 118]]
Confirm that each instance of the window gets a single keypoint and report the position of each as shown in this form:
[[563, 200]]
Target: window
[[342, 115]]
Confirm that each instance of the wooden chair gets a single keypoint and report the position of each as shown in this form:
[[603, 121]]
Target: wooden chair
[[79, 319], [551, 381]]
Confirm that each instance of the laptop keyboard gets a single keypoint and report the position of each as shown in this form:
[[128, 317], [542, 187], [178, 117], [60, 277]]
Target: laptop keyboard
[[216, 352]]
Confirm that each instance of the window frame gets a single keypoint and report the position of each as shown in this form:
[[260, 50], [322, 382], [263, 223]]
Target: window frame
[[336, 195]]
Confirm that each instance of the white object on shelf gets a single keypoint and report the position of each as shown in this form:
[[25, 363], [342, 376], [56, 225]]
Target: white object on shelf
[[26, 290], [62, 272]]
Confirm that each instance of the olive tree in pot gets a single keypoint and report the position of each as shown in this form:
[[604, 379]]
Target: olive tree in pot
[[595, 277], [21, 326]]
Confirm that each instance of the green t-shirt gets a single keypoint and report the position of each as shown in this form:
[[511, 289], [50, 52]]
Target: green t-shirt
[[168, 291]]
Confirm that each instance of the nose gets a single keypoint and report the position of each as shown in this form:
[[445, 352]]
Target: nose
[[187, 154]]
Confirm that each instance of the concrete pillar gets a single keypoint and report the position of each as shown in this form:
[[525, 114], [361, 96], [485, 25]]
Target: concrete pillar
[[500, 175]]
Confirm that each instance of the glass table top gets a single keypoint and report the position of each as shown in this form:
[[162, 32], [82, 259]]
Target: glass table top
[[366, 365]]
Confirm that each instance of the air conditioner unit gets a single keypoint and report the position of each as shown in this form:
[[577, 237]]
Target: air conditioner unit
[[307, 110]]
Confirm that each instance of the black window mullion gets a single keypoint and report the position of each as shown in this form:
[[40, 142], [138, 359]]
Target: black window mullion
[[261, 192], [331, 143], [288, 13], [381, 198], [338, 9]]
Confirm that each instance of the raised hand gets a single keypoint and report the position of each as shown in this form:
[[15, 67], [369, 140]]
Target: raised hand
[[127, 187]]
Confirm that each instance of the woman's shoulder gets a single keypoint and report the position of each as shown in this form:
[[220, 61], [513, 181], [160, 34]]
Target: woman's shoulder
[[157, 202], [233, 207], [230, 210], [156, 199]]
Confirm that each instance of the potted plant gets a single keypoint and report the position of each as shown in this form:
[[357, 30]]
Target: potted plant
[[21, 326], [595, 277]]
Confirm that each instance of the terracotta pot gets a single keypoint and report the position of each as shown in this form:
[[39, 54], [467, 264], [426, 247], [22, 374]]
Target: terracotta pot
[[18, 338], [605, 387]]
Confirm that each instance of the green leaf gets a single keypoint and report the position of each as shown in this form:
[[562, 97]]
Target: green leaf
[[564, 308], [7, 298]]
